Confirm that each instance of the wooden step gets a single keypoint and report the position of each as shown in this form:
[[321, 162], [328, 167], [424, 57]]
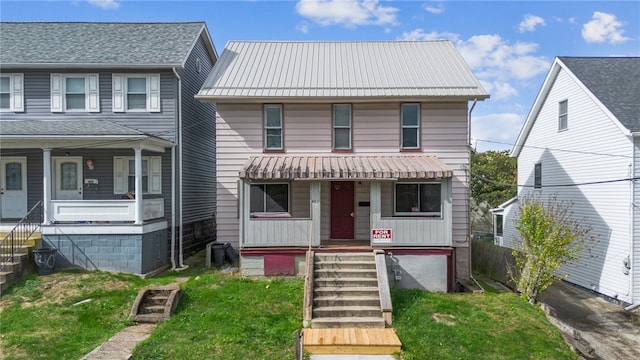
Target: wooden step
[[361, 341]]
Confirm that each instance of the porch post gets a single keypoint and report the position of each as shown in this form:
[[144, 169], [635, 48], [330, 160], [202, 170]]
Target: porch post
[[46, 185], [138, 185], [375, 208], [315, 212]]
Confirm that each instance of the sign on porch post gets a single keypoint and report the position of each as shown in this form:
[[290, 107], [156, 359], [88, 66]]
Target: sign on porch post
[[381, 235]]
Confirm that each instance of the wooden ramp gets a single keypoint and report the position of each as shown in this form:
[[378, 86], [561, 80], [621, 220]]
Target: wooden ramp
[[363, 341]]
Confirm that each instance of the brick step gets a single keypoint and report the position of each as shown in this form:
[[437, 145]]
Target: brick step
[[337, 300], [347, 282], [348, 322], [344, 311], [345, 264], [344, 273], [346, 291]]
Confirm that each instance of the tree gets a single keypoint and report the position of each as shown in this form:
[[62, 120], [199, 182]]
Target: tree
[[550, 236], [493, 177]]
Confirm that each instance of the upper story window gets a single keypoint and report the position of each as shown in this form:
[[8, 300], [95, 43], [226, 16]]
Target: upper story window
[[136, 92], [421, 199], [342, 126], [410, 136], [124, 175], [273, 127], [537, 176], [563, 116], [11, 94], [75, 92]]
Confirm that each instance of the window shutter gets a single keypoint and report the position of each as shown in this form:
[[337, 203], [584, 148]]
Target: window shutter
[[120, 165], [17, 94], [155, 175], [154, 93], [117, 98], [93, 94], [56, 92]]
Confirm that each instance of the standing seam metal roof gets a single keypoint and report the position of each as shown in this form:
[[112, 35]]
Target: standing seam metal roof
[[341, 69], [46, 43]]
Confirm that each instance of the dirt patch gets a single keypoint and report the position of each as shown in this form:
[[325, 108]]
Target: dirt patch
[[446, 319]]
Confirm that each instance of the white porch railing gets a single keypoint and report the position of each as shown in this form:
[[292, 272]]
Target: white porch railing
[[105, 210], [278, 232]]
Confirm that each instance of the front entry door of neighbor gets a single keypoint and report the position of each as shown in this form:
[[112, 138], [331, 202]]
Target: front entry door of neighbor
[[342, 217], [13, 187], [67, 178]]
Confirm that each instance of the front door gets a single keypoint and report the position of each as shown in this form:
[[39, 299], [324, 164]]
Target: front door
[[13, 187], [342, 198], [67, 178]]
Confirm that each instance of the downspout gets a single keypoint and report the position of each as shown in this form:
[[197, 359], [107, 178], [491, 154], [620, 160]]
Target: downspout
[[475, 101], [173, 208], [633, 219], [179, 138]]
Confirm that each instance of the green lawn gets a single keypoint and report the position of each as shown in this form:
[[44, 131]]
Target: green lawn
[[223, 316]]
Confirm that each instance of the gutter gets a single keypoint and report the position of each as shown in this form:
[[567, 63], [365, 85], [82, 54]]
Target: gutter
[[179, 140]]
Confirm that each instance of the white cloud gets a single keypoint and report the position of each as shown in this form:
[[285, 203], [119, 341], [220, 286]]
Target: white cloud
[[530, 22], [303, 28], [105, 4], [437, 10], [350, 13], [501, 129], [499, 90], [603, 28], [419, 34]]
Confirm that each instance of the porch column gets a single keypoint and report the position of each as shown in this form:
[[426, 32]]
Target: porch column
[[46, 185], [138, 185], [315, 212], [244, 212], [375, 209]]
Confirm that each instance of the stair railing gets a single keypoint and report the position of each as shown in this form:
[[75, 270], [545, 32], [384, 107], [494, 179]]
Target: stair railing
[[308, 283], [16, 238]]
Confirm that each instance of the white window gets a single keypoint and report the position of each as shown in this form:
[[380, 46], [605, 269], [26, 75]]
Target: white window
[[11, 94], [273, 127], [537, 176], [563, 115], [421, 199], [136, 92], [269, 198], [342, 126], [75, 92], [410, 126], [124, 175]]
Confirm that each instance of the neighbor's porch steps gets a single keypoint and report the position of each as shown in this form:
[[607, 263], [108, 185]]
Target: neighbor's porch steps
[[21, 264], [346, 311]]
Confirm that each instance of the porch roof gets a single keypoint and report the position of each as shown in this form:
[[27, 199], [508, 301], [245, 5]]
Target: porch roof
[[355, 167]]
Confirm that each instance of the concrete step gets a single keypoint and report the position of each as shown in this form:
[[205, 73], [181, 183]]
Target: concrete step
[[348, 322], [346, 291], [345, 264], [343, 300], [344, 273], [6, 276], [347, 311], [347, 282], [338, 257], [152, 309]]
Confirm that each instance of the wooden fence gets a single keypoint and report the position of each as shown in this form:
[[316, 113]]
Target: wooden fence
[[496, 262]]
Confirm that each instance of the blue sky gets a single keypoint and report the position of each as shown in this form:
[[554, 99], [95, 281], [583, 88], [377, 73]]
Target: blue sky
[[509, 45]]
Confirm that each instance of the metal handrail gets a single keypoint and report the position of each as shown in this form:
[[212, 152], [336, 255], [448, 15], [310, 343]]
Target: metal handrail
[[20, 233]]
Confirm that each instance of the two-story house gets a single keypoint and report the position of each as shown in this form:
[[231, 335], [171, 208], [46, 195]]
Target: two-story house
[[345, 145], [100, 127], [581, 144]]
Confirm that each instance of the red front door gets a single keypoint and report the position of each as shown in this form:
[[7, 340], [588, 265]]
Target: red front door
[[342, 195]]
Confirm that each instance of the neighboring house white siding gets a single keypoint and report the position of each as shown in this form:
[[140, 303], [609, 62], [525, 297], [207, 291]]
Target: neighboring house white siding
[[592, 149], [635, 257]]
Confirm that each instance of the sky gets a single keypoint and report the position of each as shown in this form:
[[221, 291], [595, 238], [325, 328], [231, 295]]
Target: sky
[[509, 45]]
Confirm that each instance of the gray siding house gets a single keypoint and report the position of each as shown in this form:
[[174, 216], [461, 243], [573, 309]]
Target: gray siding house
[[345, 145], [99, 126]]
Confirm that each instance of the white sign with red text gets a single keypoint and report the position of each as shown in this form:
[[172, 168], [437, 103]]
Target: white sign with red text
[[381, 235]]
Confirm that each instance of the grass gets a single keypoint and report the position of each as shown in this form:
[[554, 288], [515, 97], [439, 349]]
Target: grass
[[223, 316]]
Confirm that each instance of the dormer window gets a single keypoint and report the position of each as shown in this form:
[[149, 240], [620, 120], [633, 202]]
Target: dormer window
[[136, 93]]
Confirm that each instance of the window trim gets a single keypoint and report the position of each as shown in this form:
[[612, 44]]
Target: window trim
[[537, 176], [122, 170], [16, 92], [418, 127], [59, 93], [334, 127], [265, 128], [563, 115], [119, 93], [418, 213], [271, 213]]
